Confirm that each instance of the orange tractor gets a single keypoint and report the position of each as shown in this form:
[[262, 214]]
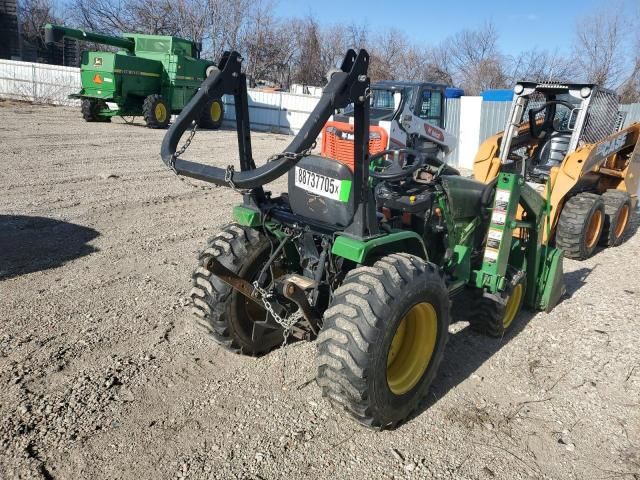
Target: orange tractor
[[568, 143], [402, 115]]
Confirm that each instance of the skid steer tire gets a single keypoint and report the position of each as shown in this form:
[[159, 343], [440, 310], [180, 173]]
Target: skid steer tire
[[156, 112], [580, 225], [212, 115], [223, 313], [492, 318], [90, 109], [617, 213], [383, 339]]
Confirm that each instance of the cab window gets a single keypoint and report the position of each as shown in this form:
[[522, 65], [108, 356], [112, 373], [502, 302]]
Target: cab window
[[430, 107]]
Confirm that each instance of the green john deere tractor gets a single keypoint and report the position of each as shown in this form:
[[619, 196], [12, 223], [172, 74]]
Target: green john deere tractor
[[369, 259], [151, 76]]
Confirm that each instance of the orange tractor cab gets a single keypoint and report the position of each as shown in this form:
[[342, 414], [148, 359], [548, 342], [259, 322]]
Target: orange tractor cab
[[402, 115]]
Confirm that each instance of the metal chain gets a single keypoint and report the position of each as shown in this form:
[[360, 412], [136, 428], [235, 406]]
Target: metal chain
[[287, 322], [181, 150], [292, 155]]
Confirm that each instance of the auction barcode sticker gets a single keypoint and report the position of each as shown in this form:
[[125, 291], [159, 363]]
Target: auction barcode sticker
[[322, 185]]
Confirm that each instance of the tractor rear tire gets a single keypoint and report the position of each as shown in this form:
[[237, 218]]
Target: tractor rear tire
[[492, 318], [617, 213], [383, 339], [212, 115], [223, 313], [90, 108], [156, 112], [580, 225]]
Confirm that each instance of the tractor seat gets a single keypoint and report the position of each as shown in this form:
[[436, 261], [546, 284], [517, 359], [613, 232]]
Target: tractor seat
[[552, 153], [467, 197], [320, 189]]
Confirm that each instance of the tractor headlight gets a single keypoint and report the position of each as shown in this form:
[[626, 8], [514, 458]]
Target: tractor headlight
[[518, 89], [585, 92]]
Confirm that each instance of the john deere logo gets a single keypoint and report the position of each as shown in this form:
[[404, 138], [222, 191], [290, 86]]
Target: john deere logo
[[97, 62]]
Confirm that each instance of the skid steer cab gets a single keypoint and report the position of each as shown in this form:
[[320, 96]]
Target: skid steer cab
[[366, 258], [402, 115], [568, 142]]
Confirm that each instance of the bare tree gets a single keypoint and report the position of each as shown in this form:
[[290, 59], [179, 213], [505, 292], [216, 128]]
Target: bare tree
[[357, 35], [268, 45], [107, 16], [334, 44], [599, 50], [33, 14], [439, 66], [387, 50], [308, 61], [226, 25], [475, 60], [540, 65]]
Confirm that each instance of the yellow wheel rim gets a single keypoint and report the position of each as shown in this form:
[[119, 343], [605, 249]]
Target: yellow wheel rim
[[623, 219], [215, 112], [593, 229], [412, 348], [161, 112], [513, 305]]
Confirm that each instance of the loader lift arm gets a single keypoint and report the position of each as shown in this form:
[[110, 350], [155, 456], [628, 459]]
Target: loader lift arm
[[345, 86]]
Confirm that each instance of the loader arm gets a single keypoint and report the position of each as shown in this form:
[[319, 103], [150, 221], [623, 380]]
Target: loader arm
[[344, 87]]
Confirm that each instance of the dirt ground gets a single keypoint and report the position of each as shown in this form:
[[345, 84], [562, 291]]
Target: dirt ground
[[103, 375]]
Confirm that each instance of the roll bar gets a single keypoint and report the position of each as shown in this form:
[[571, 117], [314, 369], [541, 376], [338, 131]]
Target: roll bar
[[348, 85]]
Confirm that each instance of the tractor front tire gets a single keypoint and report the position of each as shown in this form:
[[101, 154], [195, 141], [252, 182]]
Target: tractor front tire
[[223, 313], [580, 225], [383, 339], [212, 115], [156, 112], [90, 108], [493, 318], [617, 212]]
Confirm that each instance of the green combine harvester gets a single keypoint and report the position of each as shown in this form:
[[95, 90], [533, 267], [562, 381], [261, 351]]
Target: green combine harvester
[[368, 257], [152, 76]]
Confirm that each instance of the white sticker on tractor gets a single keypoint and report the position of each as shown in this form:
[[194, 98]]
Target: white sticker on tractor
[[498, 217], [495, 234], [494, 238], [490, 255], [318, 184], [503, 195]]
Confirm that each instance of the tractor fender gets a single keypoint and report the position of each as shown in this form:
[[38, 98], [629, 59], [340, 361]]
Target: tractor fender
[[359, 251]]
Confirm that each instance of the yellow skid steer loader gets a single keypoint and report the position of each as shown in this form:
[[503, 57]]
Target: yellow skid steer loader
[[567, 142]]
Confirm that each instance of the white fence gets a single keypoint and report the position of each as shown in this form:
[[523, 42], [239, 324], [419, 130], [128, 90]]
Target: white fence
[[468, 118], [39, 82], [278, 112]]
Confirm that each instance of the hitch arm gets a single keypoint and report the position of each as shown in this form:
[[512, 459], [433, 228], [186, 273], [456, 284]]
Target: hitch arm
[[344, 87]]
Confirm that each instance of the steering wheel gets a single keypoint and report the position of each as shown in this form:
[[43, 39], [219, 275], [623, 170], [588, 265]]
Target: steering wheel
[[533, 128], [403, 163]]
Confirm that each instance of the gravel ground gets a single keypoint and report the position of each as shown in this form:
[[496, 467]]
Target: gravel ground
[[103, 375]]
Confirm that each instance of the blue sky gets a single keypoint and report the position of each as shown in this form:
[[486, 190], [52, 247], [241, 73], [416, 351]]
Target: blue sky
[[521, 25]]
